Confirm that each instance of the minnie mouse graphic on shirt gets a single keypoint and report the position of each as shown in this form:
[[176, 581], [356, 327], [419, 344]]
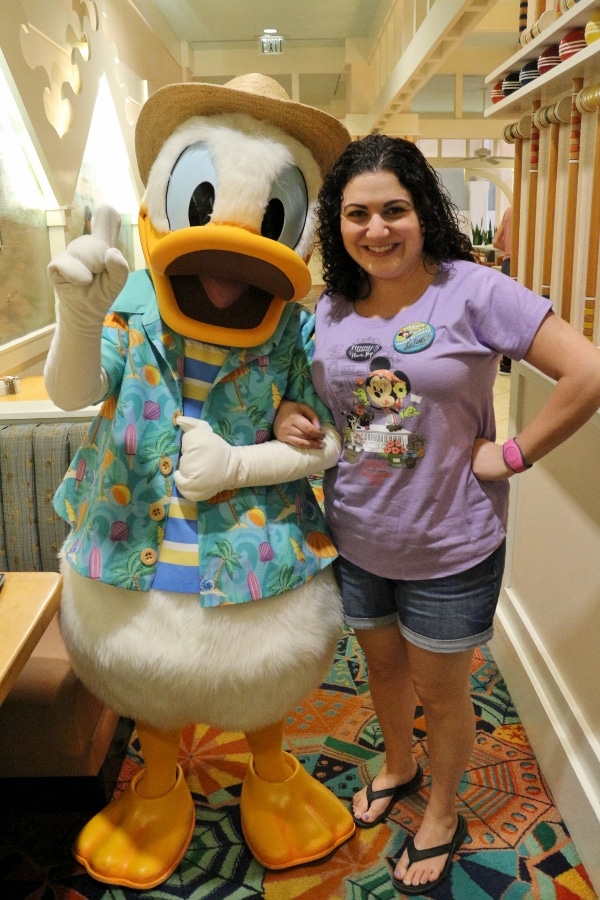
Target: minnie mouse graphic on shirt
[[383, 390]]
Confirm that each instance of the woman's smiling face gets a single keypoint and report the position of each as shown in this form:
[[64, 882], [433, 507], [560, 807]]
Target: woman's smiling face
[[380, 227]]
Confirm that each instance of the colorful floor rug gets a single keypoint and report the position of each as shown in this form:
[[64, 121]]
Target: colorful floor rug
[[518, 845]]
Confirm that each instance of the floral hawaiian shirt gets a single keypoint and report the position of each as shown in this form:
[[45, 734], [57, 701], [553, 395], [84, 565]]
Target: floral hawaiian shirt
[[252, 542]]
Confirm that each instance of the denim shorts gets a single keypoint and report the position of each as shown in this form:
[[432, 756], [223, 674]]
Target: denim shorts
[[445, 615]]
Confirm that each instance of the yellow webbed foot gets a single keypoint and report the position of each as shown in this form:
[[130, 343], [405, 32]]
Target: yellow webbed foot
[[137, 842], [291, 822]]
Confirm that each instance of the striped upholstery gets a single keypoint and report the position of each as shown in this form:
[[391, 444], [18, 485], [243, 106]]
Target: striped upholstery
[[33, 460]]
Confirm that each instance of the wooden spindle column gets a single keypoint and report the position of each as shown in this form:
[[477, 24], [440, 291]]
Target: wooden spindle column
[[514, 134], [588, 100], [534, 154], [572, 181], [523, 5], [551, 117]]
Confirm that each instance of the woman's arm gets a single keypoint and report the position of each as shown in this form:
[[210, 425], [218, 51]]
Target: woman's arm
[[208, 464], [565, 355]]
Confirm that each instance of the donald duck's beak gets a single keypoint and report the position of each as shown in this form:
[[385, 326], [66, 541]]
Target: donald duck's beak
[[221, 283]]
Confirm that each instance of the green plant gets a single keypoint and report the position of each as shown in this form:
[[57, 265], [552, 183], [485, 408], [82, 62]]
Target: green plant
[[482, 235]]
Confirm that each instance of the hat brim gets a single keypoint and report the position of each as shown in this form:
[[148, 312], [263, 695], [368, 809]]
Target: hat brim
[[173, 104]]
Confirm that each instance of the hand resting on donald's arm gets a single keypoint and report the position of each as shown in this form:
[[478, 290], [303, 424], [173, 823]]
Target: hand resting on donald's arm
[[208, 464], [298, 424]]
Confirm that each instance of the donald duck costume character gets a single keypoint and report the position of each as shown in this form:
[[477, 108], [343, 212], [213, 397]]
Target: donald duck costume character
[[197, 584]]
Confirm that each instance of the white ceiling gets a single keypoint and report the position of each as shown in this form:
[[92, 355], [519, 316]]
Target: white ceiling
[[224, 37], [309, 21]]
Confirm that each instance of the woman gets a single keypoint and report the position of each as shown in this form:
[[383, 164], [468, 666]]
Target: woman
[[408, 336]]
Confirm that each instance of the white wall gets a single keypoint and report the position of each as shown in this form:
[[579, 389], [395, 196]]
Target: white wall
[[547, 643]]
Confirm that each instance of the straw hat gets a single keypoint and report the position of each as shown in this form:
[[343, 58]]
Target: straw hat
[[256, 95]]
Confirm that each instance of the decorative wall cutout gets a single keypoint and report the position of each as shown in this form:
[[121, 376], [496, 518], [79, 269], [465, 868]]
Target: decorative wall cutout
[[62, 63], [79, 42], [57, 52], [87, 9]]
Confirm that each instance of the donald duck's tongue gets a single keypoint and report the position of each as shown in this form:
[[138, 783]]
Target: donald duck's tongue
[[222, 292]]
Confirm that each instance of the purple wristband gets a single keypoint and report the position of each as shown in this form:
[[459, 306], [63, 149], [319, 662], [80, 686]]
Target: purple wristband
[[513, 456]]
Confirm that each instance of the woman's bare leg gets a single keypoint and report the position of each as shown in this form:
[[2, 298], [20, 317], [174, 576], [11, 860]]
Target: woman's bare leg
[[443, 686], [394, 699]]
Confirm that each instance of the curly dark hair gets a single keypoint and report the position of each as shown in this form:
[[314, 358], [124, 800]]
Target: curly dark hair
[[444, 241]]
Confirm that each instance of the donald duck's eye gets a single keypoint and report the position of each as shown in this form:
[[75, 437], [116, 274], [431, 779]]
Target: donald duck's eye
[[191, 188], [201, 204], [285, 215]]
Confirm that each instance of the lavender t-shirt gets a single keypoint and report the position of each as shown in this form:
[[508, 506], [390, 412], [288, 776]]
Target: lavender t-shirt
[[410, 395]]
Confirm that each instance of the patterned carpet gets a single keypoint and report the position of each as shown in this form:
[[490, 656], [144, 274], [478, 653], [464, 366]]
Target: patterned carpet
[[518, 846]]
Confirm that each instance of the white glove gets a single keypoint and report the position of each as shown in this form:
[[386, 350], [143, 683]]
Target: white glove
[[87, 278], [208, 464]]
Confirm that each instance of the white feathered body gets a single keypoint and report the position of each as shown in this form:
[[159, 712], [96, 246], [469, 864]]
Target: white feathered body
[[164, 660]]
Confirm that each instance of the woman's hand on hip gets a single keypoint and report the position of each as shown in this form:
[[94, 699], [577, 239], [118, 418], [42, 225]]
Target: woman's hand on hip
[[487, 461]]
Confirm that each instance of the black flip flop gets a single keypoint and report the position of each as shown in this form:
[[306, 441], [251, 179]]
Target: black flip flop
[[415, 855], [394, 793]]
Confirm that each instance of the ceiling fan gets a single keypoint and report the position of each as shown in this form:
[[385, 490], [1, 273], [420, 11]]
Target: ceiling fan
[[482, 153], [482, 158]]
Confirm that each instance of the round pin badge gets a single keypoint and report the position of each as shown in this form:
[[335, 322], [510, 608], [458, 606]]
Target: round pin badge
[[414, 338]]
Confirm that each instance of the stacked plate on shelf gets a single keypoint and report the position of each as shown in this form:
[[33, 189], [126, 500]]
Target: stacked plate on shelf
[[549, 58], [529, 72], [572, 42], [592, 29]]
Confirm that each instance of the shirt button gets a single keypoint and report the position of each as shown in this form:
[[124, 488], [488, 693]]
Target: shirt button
[[157, 512], [166, 466], [175, 416], [148, 556]]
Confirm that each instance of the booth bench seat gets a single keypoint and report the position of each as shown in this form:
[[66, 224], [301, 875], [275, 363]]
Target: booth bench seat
[[60, 747]]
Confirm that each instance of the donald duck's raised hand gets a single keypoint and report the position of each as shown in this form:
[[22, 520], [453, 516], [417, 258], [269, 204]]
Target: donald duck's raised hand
[[91, 272], [87, 278], [208, 464]]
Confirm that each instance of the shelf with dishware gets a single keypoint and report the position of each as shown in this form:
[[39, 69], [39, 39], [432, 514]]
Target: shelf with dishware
[[568, 48]]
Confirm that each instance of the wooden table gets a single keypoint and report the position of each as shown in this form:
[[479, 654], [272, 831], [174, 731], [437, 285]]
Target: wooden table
[[28, 602], [32, 404], [32, 388]]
